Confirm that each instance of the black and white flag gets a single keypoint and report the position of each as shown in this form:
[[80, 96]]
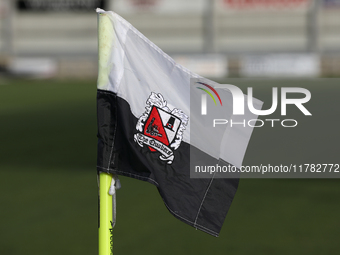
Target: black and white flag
[[148, 131]]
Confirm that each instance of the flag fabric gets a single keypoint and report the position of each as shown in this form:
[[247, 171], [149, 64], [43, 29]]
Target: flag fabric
[[143, 105]]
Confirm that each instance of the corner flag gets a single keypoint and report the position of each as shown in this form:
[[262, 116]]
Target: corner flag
[[146, 131]]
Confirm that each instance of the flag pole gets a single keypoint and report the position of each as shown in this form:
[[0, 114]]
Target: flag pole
[[107, 195], [105, 231]]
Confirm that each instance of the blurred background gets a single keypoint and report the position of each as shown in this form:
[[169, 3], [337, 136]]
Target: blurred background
[[242, 37], [48, 69]]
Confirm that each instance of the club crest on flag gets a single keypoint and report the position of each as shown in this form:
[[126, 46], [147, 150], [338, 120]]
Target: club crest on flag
[[161, 128]]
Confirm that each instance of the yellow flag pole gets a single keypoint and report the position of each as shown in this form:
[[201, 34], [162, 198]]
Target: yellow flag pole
[[106, 201], [105, 233]]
